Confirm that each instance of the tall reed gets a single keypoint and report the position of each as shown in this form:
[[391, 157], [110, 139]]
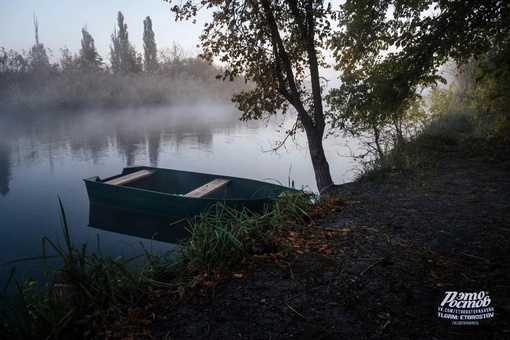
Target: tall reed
[[86, 284]]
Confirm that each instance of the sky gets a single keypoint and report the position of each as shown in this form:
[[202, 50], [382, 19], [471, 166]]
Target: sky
[[61, 22]]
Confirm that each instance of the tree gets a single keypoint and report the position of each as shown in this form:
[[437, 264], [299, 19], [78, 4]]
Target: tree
[[493, 76], [388, 50], [122, 54], [149, 47], [276, 45], [12, 62], [39, 61], [69, 63], [89, 58], [172, 60]]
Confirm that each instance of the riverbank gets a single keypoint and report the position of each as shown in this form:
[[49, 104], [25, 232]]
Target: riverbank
[[375, 260], [377, 267]]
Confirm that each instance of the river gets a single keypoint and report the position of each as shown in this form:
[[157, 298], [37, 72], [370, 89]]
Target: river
[[47, 155]]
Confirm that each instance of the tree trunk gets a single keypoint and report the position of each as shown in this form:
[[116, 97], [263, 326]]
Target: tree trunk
[[319, 161], [377, 141], [288, 88]]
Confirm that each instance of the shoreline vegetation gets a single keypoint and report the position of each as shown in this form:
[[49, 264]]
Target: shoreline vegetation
[[91, 286], [32, 81], [75, 89], [96, 296]]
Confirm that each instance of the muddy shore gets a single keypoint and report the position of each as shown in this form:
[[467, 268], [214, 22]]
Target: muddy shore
[[379, 269]]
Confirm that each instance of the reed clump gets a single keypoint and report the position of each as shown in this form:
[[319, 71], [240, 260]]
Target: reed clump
[[223, 236]]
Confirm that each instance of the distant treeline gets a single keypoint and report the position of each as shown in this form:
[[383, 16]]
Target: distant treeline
[[29, 81]]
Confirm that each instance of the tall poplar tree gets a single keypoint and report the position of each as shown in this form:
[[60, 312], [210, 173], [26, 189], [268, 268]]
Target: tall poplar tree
[[123, 56], [89, 58], [39, 61], [149, 47]]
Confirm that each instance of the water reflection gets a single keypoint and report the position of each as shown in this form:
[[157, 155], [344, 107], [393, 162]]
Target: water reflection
[[138, 224], [5, 168]]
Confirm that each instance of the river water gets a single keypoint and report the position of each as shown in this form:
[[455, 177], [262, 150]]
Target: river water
[[47, 155]]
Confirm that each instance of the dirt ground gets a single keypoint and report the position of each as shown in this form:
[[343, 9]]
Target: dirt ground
[[380, 267]]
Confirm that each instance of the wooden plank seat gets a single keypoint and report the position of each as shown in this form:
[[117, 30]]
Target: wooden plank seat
[[130, 177], [208, 188]]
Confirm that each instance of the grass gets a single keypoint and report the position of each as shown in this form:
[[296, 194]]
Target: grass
[[472, 130], [87, 284], [93, 292], [223, 236]]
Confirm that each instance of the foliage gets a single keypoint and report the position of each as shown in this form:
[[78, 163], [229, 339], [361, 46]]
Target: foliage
[[418, 36], [493, 88], [149, 47], [481, 87], [12, 62], [278, 46], [89, 58], [421, 152], [389, 51], [123, 56], [39, 61], [462, 115]]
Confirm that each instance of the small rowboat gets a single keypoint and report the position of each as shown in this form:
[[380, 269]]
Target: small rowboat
[[179, 194]]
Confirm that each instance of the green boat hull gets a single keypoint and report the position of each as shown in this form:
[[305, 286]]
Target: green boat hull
[[164, 191]]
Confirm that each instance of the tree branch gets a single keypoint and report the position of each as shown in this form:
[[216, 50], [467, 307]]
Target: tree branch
[[282, 58]]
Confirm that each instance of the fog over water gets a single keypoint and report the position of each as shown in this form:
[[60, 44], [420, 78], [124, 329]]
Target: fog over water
[[46, 155]]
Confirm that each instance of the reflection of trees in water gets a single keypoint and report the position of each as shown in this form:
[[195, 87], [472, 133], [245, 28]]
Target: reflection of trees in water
[[90, 143], [153, 143], [5, 168], [179, 138], [204, 137], [92, 136], [127, 144], [131, 141]]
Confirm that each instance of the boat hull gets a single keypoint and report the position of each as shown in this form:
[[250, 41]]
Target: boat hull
[[163, 192]]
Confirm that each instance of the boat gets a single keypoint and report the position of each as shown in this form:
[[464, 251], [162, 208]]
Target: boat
[[177, 193]]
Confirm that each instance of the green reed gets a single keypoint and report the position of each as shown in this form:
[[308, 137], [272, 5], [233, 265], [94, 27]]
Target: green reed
[[220, 236], [87, 283]]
